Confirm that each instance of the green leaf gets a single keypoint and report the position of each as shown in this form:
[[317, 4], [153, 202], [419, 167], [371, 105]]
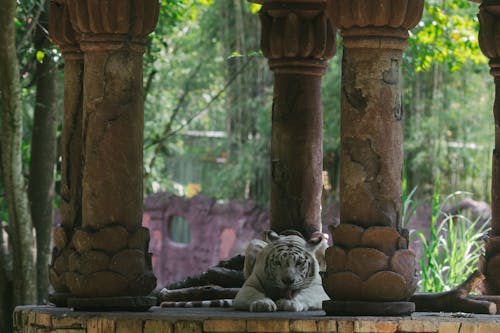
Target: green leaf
[[235, 54], [254, 8], [40, 55]]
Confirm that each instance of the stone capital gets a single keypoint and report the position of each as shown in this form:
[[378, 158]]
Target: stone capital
[[61, 31], [375, 23], [489, 33], [113, 24], [297, 36]]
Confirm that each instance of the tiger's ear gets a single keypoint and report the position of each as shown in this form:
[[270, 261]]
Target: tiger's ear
[[316, 239], [271, 236], [318, 244]]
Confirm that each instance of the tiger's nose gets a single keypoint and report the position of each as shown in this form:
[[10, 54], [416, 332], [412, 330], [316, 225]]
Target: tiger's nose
[[287, 280]]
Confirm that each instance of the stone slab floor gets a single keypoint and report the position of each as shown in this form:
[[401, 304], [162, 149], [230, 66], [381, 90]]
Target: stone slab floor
[[48, 319]]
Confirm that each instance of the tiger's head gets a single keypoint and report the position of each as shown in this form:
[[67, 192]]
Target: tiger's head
[[290, 264]]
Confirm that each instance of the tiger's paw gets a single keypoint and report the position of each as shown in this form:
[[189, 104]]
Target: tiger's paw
[[263, 305], [290, 305]]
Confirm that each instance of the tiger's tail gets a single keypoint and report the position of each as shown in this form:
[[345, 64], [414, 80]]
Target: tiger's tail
[[215, 303]]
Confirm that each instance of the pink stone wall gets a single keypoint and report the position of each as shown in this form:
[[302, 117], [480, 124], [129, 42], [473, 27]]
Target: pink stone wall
[[218, 231]]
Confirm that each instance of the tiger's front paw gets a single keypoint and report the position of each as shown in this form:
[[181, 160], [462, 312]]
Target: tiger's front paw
[[263, 305], [290, 305]]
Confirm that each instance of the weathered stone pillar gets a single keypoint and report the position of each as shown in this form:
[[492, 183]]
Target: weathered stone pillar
[[297, 38], [370, 260], [109, 259], [489, 40], [62, 33]]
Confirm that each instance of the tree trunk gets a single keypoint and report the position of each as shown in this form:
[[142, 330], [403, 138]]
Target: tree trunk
[[43, 157], [6, 307], [11, 137], [233, 42]]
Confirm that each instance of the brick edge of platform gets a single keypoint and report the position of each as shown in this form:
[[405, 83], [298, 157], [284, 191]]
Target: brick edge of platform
[[44, 319]]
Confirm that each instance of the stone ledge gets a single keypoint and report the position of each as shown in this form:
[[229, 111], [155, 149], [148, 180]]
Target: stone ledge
[[49, 319]]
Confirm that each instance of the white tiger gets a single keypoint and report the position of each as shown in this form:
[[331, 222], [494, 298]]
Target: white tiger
[[282, 274]]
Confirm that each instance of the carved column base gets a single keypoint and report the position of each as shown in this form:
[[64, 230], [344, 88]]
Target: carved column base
[[369, 265], [350, 308], [109, 262]]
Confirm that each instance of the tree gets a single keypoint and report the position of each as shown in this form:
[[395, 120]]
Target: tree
[[28, 286], [20, 224], [43, 152]]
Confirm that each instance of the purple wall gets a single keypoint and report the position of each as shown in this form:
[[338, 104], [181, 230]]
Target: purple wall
[[218, 231]]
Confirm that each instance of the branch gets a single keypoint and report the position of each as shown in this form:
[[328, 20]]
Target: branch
[[212, 100], [168, 133], [30, 29], [1, 164], [148, 83], [181, 100], [180, 103], [455, 300]]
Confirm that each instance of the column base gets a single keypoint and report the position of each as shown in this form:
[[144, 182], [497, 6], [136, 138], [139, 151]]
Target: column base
[[124, 303], [359, 308]]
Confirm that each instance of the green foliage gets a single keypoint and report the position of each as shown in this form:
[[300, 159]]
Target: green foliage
[[447, 34], [447, 101], [408, 200], [452, 248], [187, 139], [331, 119], [449, 130], [27, 21], [251, 166], [254, 8]]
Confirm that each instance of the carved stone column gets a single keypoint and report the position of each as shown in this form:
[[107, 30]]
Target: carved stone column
[[62, 33], [110, 260], [489, 40], [297, 38], [370, 260]]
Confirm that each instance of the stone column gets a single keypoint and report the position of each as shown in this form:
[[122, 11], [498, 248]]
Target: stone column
[[62, 33], [489, 41], [297, 38], [110, 258], [370, 260]]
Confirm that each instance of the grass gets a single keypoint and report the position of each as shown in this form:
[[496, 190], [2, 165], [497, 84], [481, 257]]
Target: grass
[[451, 250]]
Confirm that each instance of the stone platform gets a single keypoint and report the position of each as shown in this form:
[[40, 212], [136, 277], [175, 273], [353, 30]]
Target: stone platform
[[47, 319]]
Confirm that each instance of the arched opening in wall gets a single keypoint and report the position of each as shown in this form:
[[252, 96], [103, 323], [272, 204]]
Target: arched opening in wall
[[179, 230]]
